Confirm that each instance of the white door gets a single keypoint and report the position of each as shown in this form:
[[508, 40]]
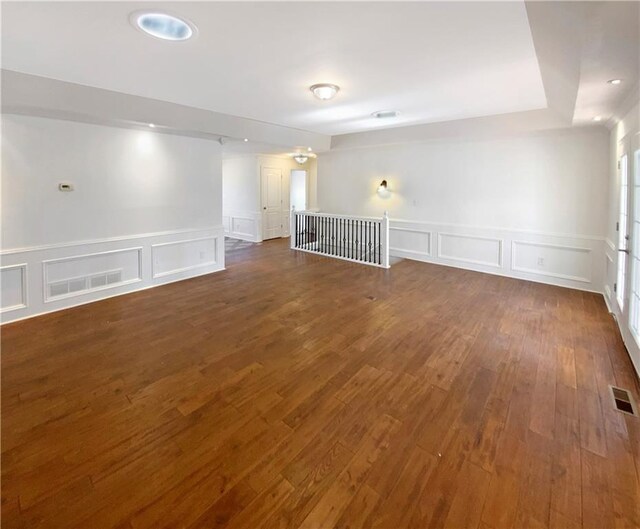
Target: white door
[[271, 188], [628, 278], [623, 228]]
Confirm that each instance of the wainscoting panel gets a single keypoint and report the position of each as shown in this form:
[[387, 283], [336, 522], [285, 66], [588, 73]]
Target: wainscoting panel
[[552, 260], [68, 274], [244, 225], [408, 242], [77, 275], [13, 287], [180, 256], [470, 249], [576, 261]]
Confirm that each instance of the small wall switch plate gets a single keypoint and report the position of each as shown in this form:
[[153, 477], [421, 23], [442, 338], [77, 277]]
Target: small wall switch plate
[[65, 186]]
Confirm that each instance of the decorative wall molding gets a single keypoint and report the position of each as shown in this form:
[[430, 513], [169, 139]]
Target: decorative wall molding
[[156, 248], [471, 227], [409, 242], [55, 246], [22, 287], [246, 225], [558, 249], [86, 259], [48, 263], [461, 258], [572, 261], [610, 244]]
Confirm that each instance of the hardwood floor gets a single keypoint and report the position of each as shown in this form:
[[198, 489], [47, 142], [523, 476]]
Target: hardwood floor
[[295, 391]]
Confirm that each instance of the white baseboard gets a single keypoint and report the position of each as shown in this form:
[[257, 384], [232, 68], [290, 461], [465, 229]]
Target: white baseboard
[[139, 262]]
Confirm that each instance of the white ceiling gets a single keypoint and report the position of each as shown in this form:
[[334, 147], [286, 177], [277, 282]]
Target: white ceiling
[[610, 50], [432, 61]]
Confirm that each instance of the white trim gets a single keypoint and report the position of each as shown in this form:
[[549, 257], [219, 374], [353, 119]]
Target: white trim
[[409, 253], [106, 240], [338, 216], [500, 242], [541, 272], [493, 228], [24, 288], [45, 276], [155, 275], [86, 302], [329, 256], [610, 244], [607, 297]]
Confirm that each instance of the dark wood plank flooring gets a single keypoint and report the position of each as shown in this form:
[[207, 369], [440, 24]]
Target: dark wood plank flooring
[[295, 391]]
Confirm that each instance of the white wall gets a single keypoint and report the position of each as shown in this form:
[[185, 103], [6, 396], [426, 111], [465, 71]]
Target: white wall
[[532, 206], [146, 204]]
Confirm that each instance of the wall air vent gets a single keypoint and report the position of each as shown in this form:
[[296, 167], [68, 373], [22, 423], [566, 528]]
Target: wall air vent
[[75, 285], [623, 401]]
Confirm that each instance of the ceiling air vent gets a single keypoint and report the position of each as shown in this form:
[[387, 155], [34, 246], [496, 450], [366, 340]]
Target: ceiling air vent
[[623, 401]]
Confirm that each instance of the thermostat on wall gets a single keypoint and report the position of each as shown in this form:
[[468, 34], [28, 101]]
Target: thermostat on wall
[[65, 186]]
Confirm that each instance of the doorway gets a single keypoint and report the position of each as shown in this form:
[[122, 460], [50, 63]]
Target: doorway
[[299, 189]]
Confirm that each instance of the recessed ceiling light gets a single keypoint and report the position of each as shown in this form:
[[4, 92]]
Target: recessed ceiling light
[[383, 114], [309, 149], [152, 125], [246, 139], [597, 118], [614, 81], [324, 91], [162, 25]]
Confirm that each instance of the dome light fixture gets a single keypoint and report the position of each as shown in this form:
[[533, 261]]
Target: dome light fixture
[[324, 91], [301, 158], [162, 25], [385, 114]]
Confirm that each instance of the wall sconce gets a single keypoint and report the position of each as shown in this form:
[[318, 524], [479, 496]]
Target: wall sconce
[[383, 190]]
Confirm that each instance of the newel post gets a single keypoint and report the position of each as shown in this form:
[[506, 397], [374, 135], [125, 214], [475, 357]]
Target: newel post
[[385, 240], [292, 227]]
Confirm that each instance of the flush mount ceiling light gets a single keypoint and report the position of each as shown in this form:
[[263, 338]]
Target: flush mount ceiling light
[[384, 114], [301, 158], [597, 118], [324, 91], [162, 25], [614, 81]]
